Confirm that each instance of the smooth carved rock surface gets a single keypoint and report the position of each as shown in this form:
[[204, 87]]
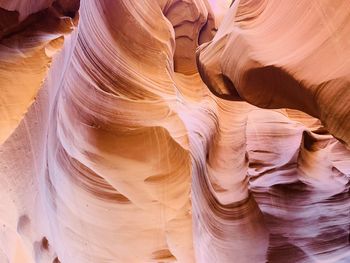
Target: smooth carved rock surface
[[26, 50], [113, 149], [280, 54]]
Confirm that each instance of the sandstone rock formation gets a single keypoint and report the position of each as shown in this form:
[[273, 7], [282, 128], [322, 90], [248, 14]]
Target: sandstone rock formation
[[113, 149], [284, 55]]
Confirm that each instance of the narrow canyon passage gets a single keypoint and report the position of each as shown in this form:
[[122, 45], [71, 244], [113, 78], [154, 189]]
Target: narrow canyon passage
[[209, 131]]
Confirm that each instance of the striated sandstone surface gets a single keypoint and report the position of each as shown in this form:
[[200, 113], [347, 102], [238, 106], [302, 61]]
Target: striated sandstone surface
[[113, 149], [284, 54]]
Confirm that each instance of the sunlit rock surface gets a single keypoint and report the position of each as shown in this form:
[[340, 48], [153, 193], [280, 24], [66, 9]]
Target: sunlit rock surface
[[114, 148]]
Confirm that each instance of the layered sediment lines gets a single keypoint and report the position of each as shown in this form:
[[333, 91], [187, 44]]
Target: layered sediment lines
[[275, 54], [126, 156]]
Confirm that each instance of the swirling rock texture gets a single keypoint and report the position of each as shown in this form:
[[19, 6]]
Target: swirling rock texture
[[113, 149]]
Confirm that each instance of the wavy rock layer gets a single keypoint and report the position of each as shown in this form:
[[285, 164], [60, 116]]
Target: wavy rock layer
[[284, 55], [125, 155]]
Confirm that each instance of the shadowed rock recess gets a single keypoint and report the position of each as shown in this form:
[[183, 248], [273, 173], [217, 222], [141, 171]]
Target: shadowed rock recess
[[191, 131]]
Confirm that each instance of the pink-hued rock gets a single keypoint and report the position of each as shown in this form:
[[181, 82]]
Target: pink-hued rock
[[120, 153], [24, 8], [277, 54]]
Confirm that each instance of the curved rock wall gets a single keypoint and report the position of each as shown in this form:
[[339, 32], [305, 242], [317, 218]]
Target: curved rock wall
[[120, 153]]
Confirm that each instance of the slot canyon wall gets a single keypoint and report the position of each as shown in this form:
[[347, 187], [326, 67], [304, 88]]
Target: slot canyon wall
[[183, 131]]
